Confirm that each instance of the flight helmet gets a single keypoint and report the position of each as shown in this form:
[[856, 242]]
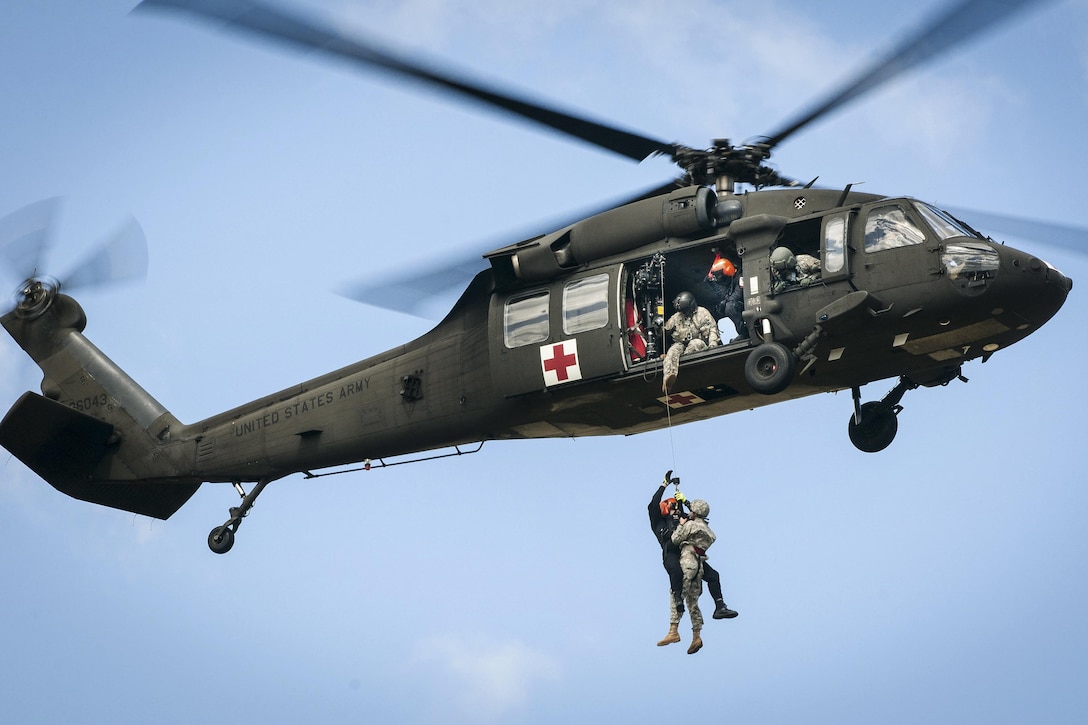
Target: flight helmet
[[684, 303], [782, 260]]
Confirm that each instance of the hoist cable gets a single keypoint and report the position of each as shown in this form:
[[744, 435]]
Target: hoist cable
[[665, 351]]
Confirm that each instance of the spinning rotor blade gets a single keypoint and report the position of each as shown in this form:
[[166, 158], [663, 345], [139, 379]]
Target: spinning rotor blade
[[413, 291], [960, 22], [945, 33], [302, 32], [119, 258], [25, 236], [25, 239], [1057, 235]]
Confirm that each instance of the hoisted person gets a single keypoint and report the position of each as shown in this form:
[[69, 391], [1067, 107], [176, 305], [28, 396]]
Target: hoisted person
[[665, 518]]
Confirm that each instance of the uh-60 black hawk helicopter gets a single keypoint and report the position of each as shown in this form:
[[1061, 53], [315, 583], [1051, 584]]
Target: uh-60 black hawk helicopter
[[562, 335]]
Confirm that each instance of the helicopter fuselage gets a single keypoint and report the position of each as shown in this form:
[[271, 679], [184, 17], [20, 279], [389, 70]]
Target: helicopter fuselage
[[555, 357], [899, 290], [565, 334]]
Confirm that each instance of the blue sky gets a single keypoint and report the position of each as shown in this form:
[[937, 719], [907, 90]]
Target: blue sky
[[940, 581]]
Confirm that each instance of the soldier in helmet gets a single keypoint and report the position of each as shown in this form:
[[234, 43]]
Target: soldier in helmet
[[693, 329], [694, 537], [664, 518], [788, 270]]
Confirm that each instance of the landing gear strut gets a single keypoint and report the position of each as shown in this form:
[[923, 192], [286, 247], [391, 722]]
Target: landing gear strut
[[873, 425], [221, 538]]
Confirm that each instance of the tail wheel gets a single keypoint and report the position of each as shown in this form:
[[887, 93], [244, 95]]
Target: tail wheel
[[221, 539], [877, 428], [769, 368]]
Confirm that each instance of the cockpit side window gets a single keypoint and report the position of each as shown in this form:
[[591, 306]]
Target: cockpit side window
[[835, 244], [888, 227], [525, 319]]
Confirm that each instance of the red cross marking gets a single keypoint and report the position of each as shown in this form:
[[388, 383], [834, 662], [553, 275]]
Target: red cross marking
[[560, 361], [681, 399]]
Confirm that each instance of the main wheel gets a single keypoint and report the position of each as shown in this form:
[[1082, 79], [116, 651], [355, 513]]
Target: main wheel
[[877, 428], [769, 368], [221, 539]]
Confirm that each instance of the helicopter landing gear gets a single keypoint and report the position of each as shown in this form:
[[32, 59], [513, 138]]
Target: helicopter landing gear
[[873, 425], [221, 538], [873, 429], [769, 368]]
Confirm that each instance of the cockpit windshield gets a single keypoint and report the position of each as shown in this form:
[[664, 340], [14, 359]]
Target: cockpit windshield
[[943, 223]]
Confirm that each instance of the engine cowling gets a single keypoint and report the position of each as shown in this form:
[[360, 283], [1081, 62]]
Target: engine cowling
[[680, 213]]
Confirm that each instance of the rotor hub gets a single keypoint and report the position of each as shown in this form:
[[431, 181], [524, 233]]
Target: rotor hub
[[34, 296], [725, 165]]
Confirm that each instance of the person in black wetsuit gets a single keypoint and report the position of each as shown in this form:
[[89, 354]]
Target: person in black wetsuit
[[725, 278], [664, 518]]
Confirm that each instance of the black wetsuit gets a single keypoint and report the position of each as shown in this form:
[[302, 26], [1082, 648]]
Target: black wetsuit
[[663, 527], [731, 302]]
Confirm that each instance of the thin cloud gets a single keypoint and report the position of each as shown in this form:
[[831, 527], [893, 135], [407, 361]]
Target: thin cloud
[[434, 24], [488, 679]]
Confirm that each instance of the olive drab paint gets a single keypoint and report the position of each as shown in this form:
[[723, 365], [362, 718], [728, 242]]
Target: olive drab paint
[[563, 335]]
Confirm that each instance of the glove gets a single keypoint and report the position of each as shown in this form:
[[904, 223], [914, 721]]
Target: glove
[[668, 475], [680, 497]]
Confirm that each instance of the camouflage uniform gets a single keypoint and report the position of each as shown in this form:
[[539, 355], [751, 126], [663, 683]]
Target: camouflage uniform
[[689, 334], [693, 533], [806, 272], [663, 527], [808, 267]]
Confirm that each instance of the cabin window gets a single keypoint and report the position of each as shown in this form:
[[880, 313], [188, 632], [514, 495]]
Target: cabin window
[[835, 244], [585, 304], [888, 228], [525, 320]]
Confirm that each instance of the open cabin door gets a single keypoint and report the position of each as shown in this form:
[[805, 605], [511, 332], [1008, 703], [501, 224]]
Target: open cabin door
[[557, 334]]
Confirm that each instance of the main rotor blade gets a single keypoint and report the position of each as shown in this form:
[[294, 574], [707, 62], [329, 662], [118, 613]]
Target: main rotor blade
[[944, 33], [1058, 235], [120, 257], [270, 22], [417, 289], [25, 237]]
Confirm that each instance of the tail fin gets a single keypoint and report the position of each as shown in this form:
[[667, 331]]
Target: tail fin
[[95, 435], [64, 447]]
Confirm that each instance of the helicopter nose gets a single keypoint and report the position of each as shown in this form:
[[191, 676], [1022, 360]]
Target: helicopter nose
[[1038, 287], [1056, 277]]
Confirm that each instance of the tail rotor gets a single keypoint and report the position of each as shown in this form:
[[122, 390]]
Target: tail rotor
[[26, 239]]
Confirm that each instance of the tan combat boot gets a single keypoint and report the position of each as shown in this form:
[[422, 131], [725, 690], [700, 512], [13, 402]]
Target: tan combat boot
[[672, 636], [696, 642]]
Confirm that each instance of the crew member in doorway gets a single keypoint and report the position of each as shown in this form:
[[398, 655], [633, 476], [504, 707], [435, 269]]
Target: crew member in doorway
[[726, 280], [693, 329], [664, 519], [789, 271]]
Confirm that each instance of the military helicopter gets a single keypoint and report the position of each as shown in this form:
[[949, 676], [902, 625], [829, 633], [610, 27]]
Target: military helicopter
[[562, 334]]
